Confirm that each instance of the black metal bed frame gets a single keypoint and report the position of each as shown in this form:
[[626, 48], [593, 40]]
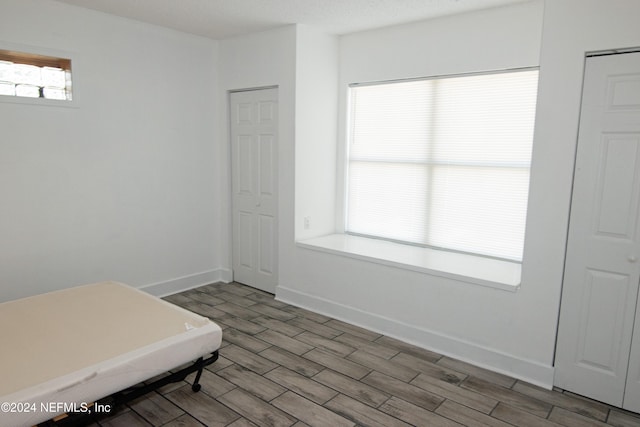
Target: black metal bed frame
[[120, 398]]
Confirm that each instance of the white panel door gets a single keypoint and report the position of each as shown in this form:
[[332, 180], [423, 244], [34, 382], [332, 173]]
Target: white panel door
[[626, 98], [602, 271], [254, 138]]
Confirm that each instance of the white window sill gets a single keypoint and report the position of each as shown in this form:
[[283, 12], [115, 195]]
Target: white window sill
[[38, 101], [462, 267]]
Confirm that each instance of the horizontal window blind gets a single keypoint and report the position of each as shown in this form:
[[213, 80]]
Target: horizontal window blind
[[443, 162]]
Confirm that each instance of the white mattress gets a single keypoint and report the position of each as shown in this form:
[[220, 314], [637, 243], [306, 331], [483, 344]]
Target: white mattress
[[81, 344]]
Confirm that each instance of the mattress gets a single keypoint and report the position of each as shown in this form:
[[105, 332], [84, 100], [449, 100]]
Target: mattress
[[63, 350]]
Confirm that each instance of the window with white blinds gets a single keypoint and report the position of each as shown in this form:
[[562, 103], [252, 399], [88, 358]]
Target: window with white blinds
[[443, 162]]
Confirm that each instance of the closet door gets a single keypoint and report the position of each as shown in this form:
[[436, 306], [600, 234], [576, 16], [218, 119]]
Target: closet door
[[602, 270], [254, 184], [628, 83]]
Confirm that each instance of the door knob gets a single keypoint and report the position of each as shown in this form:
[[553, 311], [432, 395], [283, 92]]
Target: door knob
[[632, 258]]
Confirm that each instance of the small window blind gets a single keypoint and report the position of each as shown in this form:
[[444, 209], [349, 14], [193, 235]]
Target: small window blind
[[443, 162]]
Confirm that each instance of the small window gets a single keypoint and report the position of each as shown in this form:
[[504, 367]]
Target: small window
[[34, 76]]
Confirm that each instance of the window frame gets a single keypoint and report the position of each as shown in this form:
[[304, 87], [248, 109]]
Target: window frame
[[49, 54], [344, 159]]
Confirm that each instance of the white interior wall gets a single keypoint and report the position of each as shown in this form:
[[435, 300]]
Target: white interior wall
[[316, 132], [120, 187], [572, 28], [506, 331], [253, 61]]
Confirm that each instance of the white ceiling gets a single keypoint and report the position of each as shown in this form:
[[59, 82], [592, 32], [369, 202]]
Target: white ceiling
[[219, 19]]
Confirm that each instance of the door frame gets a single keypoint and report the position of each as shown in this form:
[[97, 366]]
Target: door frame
[[588, 55], [229, 159]]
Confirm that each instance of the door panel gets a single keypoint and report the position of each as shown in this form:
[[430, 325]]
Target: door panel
[[600, 288], [254, 136], [598, 348], [245, 240], [267, 154], [624, 92], [617, 201], [244, 156], [267, 226]]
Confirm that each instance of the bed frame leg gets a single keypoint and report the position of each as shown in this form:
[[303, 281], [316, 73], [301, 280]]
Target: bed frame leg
[[196, 382]]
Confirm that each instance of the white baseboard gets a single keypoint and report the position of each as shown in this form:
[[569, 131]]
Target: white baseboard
[[494, 360], [226, 275], [180, 284]]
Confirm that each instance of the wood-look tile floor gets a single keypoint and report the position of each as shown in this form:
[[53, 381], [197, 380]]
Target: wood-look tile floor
[[281, 365]]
